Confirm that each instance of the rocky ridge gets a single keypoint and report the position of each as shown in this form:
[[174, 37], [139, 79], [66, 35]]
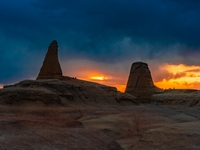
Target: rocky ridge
[[54, 91], [177, 97]]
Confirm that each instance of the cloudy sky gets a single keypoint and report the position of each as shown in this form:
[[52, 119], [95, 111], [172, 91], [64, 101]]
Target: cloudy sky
[[99, 40]]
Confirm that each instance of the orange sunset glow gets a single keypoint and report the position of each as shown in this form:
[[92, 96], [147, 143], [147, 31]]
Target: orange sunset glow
[[111, 81], [176, 76], [164, 76], [180, 77], [106, 80], [101, 78]]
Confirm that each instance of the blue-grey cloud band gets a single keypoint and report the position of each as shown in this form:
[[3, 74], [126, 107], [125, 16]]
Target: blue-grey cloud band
[[103, 31]]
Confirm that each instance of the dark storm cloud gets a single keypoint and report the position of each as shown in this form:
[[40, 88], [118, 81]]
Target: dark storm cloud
[[96, 27], [155, 20], [105, 31]]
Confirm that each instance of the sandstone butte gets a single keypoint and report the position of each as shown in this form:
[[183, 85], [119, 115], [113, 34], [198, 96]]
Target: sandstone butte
[[140, 83], [51, 67]]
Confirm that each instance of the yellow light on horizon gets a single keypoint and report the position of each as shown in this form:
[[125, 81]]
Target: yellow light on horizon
[[166, 76], [180, 76], [98, 78]]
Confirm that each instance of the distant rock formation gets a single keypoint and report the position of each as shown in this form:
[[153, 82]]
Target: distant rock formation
[[140, 83], [51, 67]]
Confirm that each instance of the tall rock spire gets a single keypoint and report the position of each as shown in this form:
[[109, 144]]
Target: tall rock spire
[[140, 83], [51, 67]]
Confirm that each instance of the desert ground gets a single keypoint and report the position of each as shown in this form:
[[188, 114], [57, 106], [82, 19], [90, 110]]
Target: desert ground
[[81, 126]]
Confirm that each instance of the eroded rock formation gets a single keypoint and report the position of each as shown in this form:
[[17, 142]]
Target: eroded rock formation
[[59, 92], [51, 67], [51, 87], [140, 83]]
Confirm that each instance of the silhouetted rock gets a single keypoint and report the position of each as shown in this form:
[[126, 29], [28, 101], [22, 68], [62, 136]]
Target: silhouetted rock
[[140, 83], [51, 67], [18, 95], [126, 97], [54, 91]]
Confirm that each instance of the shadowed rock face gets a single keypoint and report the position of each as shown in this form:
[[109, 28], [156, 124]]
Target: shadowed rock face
[[140, 83], [62, 93], [51, 67]]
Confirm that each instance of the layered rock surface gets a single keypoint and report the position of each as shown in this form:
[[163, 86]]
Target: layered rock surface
[[140, 83], [180, 136], [48, 128], [148, 127], [54, 91], [51, 67], [177, 97], [80, 126]]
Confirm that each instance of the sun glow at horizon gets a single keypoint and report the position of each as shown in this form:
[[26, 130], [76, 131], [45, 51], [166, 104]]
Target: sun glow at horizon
[[165, 76], [99, 78], [177, 76]]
